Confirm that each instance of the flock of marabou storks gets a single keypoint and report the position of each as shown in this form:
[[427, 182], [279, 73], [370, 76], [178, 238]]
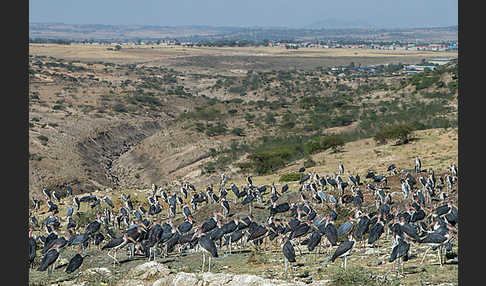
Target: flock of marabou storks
[[425, 214]]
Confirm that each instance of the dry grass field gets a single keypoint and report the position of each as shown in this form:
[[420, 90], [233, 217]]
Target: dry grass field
[[224, 59]]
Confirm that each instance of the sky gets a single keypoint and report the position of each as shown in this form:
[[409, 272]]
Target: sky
[[247, 13]]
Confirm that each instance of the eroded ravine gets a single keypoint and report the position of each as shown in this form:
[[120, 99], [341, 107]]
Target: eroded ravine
[[99, 152]]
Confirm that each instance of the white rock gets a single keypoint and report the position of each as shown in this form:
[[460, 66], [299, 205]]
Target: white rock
[[149, 270], [185, 279], [246, 279], [216, 279], [164, 281], [98, 270], [133, 282]]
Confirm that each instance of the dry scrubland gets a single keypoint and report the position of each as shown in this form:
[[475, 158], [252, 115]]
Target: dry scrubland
[[112, 122], [98, 120]]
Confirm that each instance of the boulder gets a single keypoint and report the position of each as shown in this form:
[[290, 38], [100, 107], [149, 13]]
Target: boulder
[[133, 282], [246, 279], [186, 279], [149, 270], [164, 281], [216, 279]]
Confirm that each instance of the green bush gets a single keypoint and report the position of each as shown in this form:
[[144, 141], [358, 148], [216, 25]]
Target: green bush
[[309, 163], [270, 160], [43, 138], [218, 129], [199, 127], [290, 177], [399, 132], [335, 142], [238, 131], [245, 167], [119, 107]]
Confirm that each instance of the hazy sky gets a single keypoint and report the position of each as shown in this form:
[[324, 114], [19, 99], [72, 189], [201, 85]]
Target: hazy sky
[[248, 13]]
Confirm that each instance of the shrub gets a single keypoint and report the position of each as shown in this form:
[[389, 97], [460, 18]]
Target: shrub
[[119, 107], [209, 167], [199, 127], [290, 177], [399, 132], [43, 138], [245, 167], [270, 160], [335, 142], [218, 129], [249, 117], [270, 118], [238, 131], [309, 163]]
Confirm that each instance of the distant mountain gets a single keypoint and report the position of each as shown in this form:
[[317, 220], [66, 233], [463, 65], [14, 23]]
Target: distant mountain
[[328, 29]]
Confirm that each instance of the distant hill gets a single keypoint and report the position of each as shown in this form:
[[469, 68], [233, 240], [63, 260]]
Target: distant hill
[[329, 29]]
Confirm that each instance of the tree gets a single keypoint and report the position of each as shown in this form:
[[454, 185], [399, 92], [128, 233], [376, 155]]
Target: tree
[[335, 142], [399, 132]]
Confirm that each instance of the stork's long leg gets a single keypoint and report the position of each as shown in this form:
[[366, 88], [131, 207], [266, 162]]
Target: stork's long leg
[[230, 242], [264, 245], [439, 254], [421, 262], [209, 269], [286, 267], [204, 258], [398, 268]]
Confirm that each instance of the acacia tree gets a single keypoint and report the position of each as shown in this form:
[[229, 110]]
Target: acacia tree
[[400, 132]]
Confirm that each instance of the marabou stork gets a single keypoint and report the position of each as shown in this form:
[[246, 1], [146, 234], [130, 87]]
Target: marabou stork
[[289, 253], [208, 247], [75, 262], [343, 250]]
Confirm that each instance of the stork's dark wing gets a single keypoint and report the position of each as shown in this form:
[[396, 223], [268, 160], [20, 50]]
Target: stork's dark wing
[[208, 245], [74, 263], [344, 247], [289, 252]]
